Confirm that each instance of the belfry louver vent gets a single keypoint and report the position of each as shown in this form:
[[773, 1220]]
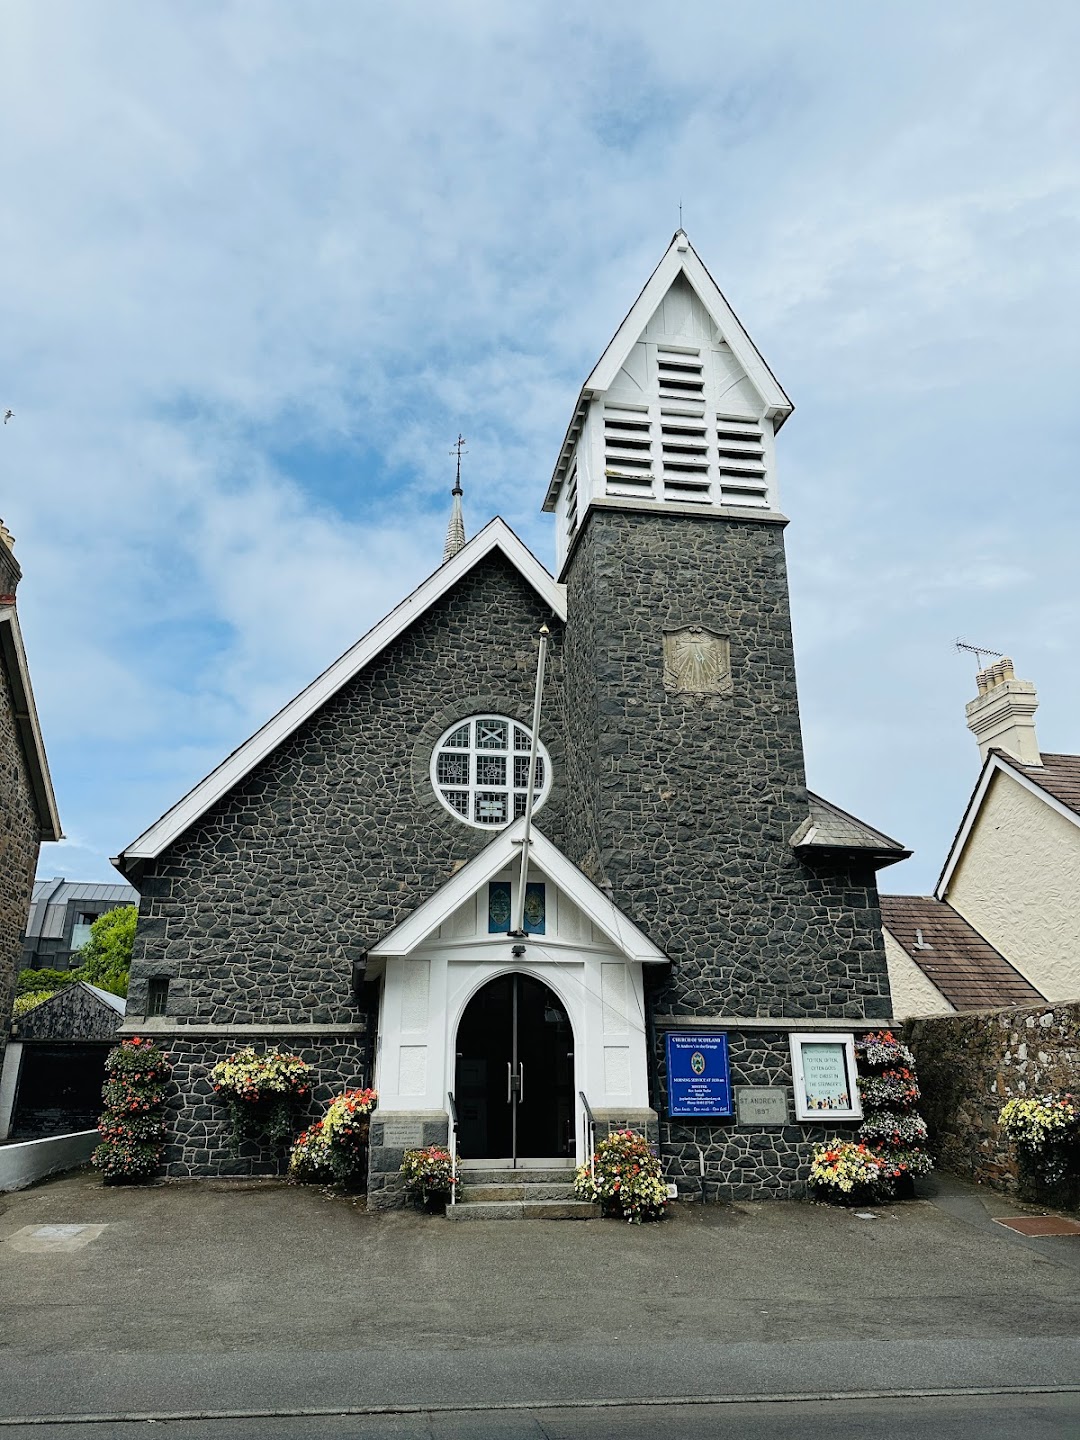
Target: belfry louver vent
[[572, 502], [681, 374], [685, 450], [628, 466], [740, 452]]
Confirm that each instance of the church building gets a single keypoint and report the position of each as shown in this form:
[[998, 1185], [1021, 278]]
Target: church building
[[536, 857]]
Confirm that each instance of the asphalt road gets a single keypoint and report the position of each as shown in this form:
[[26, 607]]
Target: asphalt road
[[995, 1417], [257, 1297]]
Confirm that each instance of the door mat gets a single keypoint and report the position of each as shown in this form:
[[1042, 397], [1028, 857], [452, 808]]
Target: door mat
[[1041, 1225]]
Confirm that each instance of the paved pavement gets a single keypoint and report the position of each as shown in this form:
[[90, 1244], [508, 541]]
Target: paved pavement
[[233, 1299]]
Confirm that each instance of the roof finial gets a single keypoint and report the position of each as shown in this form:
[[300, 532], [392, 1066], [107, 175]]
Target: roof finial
[[455, 532]]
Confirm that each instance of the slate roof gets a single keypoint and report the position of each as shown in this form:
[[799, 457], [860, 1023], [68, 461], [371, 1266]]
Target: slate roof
[[968, 971], [827, 827], [1058, 775]]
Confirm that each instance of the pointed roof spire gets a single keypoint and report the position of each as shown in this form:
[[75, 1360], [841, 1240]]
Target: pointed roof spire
[[455, 531]]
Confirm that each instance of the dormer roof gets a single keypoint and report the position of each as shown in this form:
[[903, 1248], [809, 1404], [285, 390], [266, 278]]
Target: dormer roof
[[679, 265]]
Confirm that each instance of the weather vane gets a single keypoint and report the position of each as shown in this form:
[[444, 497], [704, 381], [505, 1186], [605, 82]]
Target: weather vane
[[458, 450]]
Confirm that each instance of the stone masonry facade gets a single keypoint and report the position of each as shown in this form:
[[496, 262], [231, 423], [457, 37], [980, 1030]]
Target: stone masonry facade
[[20, 829], [256, 913], [687, 804], [971, 1065]]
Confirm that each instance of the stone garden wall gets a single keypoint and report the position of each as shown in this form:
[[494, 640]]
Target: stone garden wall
[[970, 1065]]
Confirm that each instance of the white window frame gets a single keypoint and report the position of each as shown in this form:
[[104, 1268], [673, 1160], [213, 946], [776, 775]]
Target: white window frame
[[846, 1040], [473, 788]]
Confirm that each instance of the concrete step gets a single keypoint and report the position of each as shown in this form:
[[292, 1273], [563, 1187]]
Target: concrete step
[[506, 1175], [525, 1190], [523, 1210]]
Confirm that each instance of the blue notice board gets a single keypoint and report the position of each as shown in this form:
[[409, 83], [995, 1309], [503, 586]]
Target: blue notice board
[[699, 1082]]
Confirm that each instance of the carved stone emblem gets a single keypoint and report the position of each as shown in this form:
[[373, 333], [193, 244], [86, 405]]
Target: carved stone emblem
[[697, 662]]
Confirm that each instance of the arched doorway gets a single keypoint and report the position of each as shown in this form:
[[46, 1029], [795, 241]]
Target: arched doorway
[[514, 1076]]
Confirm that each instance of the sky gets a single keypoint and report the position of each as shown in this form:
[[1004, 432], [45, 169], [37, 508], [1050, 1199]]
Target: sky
[[263, 261]]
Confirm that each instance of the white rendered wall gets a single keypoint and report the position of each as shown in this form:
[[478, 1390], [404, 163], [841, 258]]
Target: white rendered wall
[[1018, 883], [912, 992], [9, 1084], [425, 995]]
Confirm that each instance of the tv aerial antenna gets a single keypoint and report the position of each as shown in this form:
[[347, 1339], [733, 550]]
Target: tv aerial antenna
[[978, 651]]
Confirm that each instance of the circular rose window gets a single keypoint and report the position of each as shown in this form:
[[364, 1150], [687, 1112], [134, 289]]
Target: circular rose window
[[480, 770]]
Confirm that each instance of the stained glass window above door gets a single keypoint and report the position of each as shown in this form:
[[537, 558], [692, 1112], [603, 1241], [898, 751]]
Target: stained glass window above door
[[480, 770]]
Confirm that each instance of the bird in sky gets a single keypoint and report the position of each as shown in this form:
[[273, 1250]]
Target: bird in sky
[[8, 415]]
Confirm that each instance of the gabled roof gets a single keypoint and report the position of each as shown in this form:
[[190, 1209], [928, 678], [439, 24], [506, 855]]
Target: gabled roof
[[496, 535], [13, 659], [680, 258], [504, 849], [953, 956], [1056, 782], [827, 827]]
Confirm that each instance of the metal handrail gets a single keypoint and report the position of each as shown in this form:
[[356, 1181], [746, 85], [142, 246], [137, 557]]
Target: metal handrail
[[589, 1133], [453, 1145]]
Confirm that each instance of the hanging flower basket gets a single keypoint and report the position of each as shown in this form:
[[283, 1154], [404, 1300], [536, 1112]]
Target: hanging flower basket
[[334, 1149], [132, 1127], [429, 1176], [845, 1172], [261, 1093], [1046, 1133], [625, 1179]]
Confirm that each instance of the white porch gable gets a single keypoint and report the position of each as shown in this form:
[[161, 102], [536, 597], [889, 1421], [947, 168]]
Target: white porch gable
[[590, 955]]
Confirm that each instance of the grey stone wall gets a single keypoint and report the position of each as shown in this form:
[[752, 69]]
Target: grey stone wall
[[19, 844], [199, 1137], [685, 805], [257, 912], [745, 1162], [391, 1136]]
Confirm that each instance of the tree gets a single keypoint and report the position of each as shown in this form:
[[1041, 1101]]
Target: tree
[[106, 956]]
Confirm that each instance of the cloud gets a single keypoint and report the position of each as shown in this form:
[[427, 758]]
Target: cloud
[[263, 261]]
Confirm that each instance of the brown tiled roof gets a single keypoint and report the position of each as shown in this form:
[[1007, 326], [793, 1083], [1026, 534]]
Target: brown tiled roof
[[967, 969], [1058, 775]]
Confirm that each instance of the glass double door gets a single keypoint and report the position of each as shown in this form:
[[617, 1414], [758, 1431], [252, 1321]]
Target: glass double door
[[514, 1077]]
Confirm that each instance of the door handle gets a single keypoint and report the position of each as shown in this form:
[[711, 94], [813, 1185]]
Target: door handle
[[521, 1083], [509, 1083]]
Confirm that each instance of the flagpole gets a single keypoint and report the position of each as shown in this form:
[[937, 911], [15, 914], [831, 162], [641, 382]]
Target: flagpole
[[519, 908]]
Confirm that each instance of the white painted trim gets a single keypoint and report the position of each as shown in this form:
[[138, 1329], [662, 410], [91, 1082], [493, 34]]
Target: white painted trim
[[591, 901], [496, 535], [824, 1037], [13, 653], [679, 258], [994, 765]]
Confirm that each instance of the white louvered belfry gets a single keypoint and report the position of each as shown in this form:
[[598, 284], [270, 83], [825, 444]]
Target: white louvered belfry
[[680, 410]]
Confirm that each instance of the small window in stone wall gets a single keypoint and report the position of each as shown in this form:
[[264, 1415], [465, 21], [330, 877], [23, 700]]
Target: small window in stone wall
[[480, 770], [157, 995]]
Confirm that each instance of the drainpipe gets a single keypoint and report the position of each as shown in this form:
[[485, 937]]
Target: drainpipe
[[519, 908]]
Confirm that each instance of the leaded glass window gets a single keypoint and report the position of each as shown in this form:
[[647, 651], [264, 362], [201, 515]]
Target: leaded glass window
[[480, 770]]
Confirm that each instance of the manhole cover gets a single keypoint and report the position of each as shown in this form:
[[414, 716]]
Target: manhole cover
[[42, 1239], [1041, 1225]]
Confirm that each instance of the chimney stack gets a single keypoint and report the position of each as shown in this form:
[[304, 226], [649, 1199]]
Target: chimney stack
[[1002, 715]]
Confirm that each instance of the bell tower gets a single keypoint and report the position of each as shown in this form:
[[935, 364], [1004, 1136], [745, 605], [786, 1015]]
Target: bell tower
[[684, 745], [680, 412]]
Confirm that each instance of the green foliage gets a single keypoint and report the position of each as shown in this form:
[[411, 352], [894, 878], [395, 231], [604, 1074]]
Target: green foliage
[[335, 1147], [28, 1000], [106, 956], [261, 1093], [132, 1127], [34, 982]]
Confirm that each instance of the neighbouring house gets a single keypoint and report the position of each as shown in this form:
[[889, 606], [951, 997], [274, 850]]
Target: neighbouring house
[[1003, 925], [54, 1064], [685, 941], [28, 812], [61, 914]]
